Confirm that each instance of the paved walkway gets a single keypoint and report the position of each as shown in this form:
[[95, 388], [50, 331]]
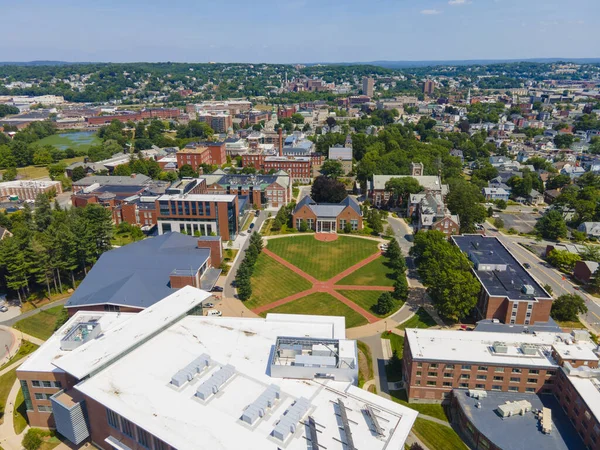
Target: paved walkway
[[327, 286]]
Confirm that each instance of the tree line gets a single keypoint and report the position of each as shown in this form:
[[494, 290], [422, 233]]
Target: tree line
[[51, 247], [246, 269]]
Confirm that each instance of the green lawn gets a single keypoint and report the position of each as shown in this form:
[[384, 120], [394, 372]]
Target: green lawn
[[436, 436], [25, 349], [393, 370], [421, 319], [376, 273], [368, 300], [20, 413], [42, 324], [321, 304], [365, 363], [434, 409], [273, 281], [322, 260], [6, 382], [76, 141]]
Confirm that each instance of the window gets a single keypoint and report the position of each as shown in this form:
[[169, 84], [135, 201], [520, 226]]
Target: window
[[495, 387], [465, 367], [44, 408], [463, 385], [418, 383], [550, 372], [432, 374], [112, 308], [39, 396], [482, 377], [447, 384], [534, 372], [529, 389], [529, 306], [499, 369], [514, 314], [516, 370], [158, 444], [35, 383], [419, 373], [126, 427], [298, 223], [498, 378], [449, 366], [431, 383], [465, 376], [447, 375], [419, 364], [112, 418], [532, 380], [480, 386], [354, 224], [433, 366], [47, 384], [515, 380], [513, 389], [143, 438], [482, 368], [342, 223]]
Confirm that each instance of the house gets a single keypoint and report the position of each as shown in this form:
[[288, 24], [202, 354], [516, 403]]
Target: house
[[535, 198], [136, 276], [458, 154], [495, 194], [343, 155], [590, 228], [551, 195], [4, 233], [572, 171], [584, 270], [328, 217], [432, 214]]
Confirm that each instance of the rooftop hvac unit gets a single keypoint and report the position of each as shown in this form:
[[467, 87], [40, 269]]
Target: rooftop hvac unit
[[500, 347], [477, 393], [527, 289], [529, 349]]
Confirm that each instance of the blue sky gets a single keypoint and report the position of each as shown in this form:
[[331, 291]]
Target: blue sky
[[288, 31]]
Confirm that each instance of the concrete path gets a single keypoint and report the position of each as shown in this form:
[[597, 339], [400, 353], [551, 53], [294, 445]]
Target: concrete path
[[33, 312], [8, 439]]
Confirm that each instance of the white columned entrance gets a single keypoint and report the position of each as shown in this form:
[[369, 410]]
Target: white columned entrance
[[326, 225]]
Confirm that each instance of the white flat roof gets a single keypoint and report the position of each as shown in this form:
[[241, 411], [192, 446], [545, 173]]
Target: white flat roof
[[95, 354], [575, 351], [199, 197], [43, 358], [475, 347], [588, 390], [28, 183], [137, 387]]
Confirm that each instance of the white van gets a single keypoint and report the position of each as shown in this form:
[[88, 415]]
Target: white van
[[214, 312]]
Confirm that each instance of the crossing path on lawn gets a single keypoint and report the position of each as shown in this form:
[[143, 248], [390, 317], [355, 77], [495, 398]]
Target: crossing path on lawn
[[327, 286]]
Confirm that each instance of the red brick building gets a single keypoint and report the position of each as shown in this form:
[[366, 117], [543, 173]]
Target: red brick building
[[220, 122], [153, 113], [328, 217], [197, 153]]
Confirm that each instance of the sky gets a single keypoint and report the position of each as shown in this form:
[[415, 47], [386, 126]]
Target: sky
[[297, 31]]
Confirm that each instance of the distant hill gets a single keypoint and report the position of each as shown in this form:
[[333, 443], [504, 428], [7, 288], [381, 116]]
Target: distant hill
[[466, 62], [39, 63]]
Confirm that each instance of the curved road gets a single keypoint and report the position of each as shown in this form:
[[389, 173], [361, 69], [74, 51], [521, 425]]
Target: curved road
[[6, 340]]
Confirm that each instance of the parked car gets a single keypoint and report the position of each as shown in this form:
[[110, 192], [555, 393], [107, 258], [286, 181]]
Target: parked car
[[383, 247], [251, 226], [208, 305], [257, 212], [217, 289], [527, 265], [214, 312], [3, 308]]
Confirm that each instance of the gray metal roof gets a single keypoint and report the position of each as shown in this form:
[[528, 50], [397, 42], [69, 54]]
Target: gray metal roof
[[137, 274], [113, 180], [519, 432]]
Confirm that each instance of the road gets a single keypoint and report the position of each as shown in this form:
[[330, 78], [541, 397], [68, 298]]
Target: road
[[5, 342], [229, 288], [543, 273]]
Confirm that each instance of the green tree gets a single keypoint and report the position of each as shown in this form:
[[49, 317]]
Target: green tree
[[78, 173], [9, 174], [385, 304], [328, 190], [563, 259], [567, 307], [400, 286], [332, 169], [402, 187], [552, 225], [501, 204], [187, 171], [464, 199], [42, 157], [498, 223], [42, 212], [32, 439]]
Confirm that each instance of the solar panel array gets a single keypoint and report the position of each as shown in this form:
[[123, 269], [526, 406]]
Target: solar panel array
[[189, 372], [288, 422], [258, 407], [314, 439], [346, 425], [212, 385]]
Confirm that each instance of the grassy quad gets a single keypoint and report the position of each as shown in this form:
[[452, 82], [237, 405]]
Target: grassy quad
[[76, 141], [272, 281], [435, 435], [42, 324], [376, 273], [367, 300], [322, 260], [421, 319], [321, 304]]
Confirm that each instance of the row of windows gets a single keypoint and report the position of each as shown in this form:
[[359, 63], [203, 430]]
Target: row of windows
[[353, 224], [39, 396], [482, 369], [47, 384], [465, 376], [136, 433]]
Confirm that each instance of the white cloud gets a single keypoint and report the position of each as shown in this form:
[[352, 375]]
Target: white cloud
[[458, 2], [430, 12]]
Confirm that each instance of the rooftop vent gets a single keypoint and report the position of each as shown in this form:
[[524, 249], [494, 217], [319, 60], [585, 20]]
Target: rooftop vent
[[189, 372], [500, 347], [258, 407], [529, 349], [528, 289], [212, 385], [289, 421]]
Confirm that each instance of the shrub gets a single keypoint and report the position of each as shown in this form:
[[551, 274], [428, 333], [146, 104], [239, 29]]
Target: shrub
[[32, 439]]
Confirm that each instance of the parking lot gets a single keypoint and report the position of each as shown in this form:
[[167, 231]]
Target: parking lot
[[522, 222]]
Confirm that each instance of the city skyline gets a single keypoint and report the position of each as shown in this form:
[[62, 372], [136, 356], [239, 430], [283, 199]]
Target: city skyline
[[185, 31]]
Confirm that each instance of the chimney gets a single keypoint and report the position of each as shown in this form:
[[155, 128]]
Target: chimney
[[280, 142], [133, 175]]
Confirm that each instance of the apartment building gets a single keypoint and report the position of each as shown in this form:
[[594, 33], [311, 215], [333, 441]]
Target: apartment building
[[168, 378], [28, 189], [197, 153], [368, 85], [219, 121], [150, 113], [509, 293]]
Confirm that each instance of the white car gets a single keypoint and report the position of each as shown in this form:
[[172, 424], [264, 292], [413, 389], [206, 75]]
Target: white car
[[3, 308], [214, 312], [208, 305]]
